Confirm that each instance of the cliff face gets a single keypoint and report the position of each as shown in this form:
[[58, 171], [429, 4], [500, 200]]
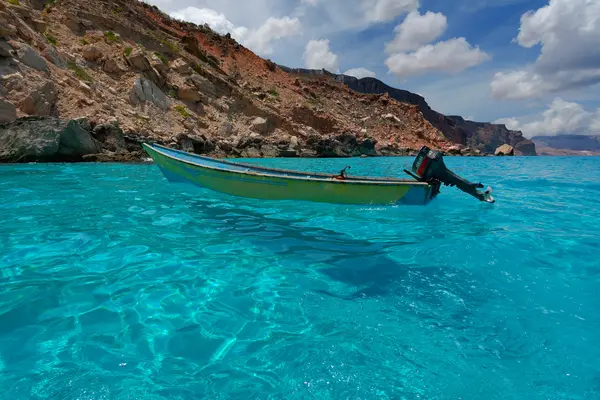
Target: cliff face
[[482, 136], [125, 73]]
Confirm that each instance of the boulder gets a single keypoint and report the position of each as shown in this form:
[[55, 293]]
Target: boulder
[[110, 135], [28, 56], [85, 87], [248, 140], [262, 125], [76, 141], [92, 53], [159, 65], [189, 93], [51, 54], [40, 101], [155, 77], [180, 66], [5, 50], [8, 112], [44, 139], [112, 66], [198, 144], [505, 150], [145, 90], [138, 61], [203, 85]]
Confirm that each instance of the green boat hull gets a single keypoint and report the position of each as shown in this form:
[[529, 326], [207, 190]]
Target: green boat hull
[[250, 181]]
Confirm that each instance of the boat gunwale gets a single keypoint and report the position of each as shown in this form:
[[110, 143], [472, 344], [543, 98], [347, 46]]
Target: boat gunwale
[[330, 178]]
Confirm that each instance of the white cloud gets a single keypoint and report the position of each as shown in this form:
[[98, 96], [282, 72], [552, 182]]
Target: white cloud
[[360, 73], [387, 10], [561, 117], [259, 40], [569, 34], [217, 21], [317, 55], [417, 30], [510, 123], [309, 2], [452, 56], [273, 29]]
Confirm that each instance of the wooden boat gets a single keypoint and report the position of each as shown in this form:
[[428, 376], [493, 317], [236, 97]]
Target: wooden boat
[[246, 180]]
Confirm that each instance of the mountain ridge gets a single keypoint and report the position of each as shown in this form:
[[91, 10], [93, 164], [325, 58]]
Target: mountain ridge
[[483, 136], [90, 81], [566, 144]]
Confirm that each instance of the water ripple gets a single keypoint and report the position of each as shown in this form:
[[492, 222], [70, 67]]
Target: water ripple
[[117, 285]]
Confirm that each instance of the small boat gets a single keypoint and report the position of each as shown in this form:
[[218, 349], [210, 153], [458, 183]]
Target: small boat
[[246, 180]]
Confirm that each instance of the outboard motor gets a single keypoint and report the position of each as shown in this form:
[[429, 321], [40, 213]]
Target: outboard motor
[[429, 167]]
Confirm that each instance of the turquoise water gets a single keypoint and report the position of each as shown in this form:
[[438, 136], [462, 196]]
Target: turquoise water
[[117, 285]]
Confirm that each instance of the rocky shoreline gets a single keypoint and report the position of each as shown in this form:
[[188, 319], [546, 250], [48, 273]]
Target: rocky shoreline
[[49, 139]]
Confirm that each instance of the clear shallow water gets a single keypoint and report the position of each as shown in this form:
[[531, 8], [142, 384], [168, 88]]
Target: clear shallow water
[[117, 285]]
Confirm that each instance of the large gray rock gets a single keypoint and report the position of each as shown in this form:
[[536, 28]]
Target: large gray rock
[[28, 56], [146, 90], [203, 85], [111, 136], [5, 50], [76, 141], [8, 112], [52, 55], [45, 139], [138, 61]]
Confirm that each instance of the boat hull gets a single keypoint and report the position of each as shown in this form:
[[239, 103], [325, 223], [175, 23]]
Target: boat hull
[[234, 179]]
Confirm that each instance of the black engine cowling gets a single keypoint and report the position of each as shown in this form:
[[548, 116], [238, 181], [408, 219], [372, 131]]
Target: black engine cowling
[[429, 167]]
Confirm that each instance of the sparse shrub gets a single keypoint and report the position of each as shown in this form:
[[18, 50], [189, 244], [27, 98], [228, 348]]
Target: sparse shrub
[[209, 59], [79, 72], [197, 68], [273, 92], [14, 2], [111, 37], [50, 38], [84, 42], [128, 51], [162, 58], [182, 111], [174, 47]]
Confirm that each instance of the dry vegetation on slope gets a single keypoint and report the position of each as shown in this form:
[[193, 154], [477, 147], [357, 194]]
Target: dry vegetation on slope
[[134, 74]]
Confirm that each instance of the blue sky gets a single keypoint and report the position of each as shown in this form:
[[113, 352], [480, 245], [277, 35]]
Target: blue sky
[[531, 64]]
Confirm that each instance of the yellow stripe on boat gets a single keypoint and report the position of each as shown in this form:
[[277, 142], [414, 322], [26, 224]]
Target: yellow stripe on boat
[[274, 184]]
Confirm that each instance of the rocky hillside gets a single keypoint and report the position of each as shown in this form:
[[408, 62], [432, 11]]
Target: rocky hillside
[[568, 145], [91, 80], [483, 136]]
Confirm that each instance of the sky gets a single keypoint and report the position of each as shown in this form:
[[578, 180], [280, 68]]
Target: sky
[[533, 65]]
